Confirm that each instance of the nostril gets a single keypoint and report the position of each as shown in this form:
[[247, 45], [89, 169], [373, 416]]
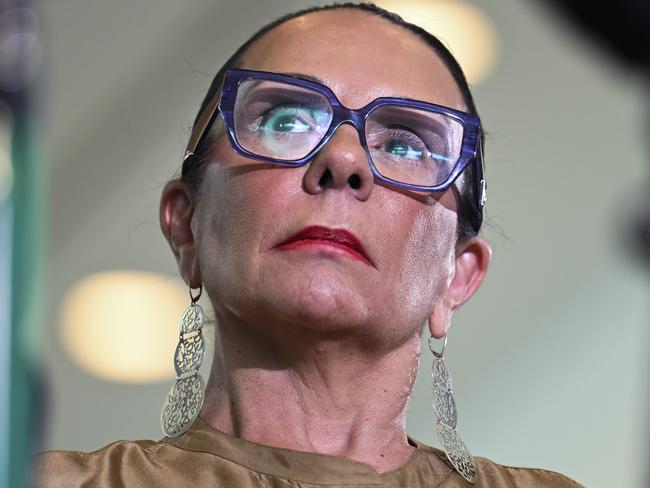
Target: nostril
[[354, 181], [325, 179]]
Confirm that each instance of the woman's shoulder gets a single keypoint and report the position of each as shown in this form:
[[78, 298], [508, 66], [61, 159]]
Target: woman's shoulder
[[492, 474], [59, 468], [120, 463]]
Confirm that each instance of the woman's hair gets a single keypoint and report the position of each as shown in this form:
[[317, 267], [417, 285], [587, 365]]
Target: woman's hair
[[468, 215]]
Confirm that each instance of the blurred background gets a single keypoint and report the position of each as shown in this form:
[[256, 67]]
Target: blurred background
[[549, 360]]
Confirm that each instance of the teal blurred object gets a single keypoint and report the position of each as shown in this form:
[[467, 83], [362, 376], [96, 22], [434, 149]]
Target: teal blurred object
[[25, 203], [5, 330], [21, 243], [20, 275]]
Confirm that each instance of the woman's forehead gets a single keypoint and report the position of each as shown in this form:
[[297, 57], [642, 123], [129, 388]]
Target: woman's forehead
[[358, 55]]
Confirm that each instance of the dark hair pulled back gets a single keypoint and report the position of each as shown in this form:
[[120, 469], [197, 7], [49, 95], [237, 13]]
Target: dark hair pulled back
[[468, 216]]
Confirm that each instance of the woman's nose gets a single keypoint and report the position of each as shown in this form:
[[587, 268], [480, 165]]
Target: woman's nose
[[342, 165]]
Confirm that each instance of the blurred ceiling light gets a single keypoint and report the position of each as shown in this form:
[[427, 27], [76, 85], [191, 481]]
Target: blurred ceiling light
[[464, 28], [123, 325]]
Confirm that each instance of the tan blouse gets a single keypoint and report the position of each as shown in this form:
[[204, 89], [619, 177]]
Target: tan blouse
[[205, 457]]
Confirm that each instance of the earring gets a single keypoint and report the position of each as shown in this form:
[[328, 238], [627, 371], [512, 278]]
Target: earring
[[185, 398], [444, 408]]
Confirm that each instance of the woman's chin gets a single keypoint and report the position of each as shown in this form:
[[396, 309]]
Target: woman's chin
[[323, 296], [322, 305]]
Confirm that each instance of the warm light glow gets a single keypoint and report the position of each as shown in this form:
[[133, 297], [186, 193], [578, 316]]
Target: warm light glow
[[464, 28], [123, 325]]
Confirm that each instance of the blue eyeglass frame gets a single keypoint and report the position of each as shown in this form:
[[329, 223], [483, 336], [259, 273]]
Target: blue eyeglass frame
[[471, 147]]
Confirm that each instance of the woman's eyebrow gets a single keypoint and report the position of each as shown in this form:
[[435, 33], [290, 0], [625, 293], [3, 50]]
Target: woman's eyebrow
[[315, 79]]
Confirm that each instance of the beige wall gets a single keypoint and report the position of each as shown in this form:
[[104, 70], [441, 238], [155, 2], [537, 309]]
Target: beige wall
[[549, 360]]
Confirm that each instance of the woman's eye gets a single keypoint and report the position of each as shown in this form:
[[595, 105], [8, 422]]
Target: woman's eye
[[402, 149], [403, 144], [285, 119]]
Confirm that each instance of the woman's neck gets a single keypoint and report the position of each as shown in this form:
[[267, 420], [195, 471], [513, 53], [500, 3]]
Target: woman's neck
[[314, 393]]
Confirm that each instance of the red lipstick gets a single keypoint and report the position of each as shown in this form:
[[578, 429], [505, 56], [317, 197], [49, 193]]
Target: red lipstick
[[316, 235]]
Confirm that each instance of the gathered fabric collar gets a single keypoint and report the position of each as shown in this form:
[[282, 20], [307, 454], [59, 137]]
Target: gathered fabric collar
[[311, 467]]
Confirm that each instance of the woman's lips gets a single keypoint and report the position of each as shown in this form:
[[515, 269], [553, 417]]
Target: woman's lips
[[316, 235]]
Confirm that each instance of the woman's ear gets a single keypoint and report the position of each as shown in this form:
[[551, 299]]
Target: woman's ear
[[176, 211], [471, 264]]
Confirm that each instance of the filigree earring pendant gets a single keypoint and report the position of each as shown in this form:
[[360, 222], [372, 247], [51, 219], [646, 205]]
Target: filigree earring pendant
[[444, 408], [185, 398]]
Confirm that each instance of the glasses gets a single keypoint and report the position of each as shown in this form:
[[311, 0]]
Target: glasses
[[285, 120]]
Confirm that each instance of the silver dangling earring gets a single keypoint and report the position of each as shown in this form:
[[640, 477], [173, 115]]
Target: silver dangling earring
[[444, 408], [185, 398]]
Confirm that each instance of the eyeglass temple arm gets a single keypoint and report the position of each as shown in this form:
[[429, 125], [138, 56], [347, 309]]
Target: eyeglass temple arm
[[482, 183], [202, 125]]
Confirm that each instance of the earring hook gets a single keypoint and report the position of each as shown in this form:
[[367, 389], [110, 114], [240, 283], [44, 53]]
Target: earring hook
[[196, 298], [435, 353]]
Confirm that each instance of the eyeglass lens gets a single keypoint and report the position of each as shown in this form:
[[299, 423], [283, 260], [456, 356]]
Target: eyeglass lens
[[406, 144]]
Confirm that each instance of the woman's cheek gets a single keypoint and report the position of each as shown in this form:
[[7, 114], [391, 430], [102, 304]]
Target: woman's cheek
[[427, 264], [237, 209]]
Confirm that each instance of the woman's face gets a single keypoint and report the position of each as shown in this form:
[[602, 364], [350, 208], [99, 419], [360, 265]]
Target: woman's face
[[246, 209]]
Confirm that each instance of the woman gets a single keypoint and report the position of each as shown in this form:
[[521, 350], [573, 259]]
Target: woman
[[329, 207]]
